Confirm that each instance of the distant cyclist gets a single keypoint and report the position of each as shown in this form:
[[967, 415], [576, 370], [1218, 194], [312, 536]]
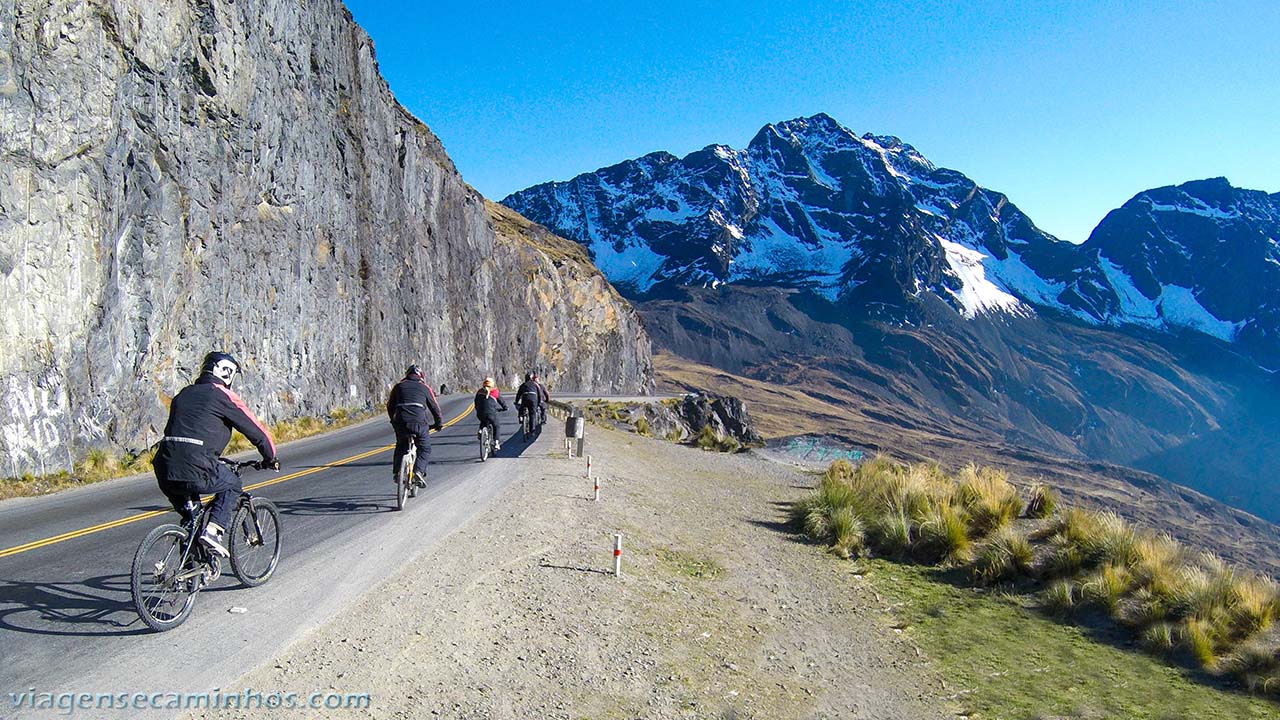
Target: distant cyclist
[[488, 404], [544, 397], [201, 418], [407, 407], [529, 399]]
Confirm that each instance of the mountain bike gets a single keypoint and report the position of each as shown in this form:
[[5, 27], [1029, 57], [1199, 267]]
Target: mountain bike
[[406, 487], [171, 565]]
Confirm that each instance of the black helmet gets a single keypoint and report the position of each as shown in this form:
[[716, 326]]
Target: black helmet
[[220, 365], [414, 371], [528, 376]]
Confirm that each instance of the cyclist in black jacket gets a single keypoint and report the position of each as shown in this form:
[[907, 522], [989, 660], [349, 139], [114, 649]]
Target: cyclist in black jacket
[[201, 418], [529, 399], [488, 404], [407, 407]]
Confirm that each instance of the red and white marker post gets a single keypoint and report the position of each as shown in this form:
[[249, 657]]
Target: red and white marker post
[[595, 480], [617, 556]]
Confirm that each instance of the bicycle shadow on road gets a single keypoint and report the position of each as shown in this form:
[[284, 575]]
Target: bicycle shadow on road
[[349, 505], [95, 607]]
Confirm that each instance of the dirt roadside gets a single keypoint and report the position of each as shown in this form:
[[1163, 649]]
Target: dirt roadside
[[720, 613]]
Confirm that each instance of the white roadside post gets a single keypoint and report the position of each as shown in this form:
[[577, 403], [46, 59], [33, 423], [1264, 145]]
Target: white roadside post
[[617, 556]]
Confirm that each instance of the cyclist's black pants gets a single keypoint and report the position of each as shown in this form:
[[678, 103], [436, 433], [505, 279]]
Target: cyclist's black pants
[[492, 422], [529, 408], [419, 432], [222, 483]]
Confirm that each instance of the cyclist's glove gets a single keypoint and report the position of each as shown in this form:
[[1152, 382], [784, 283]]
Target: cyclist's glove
[[437, 427], [272, 464]]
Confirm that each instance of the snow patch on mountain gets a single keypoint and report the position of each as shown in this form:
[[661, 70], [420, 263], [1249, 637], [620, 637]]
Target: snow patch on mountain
[[1180, 308], [634, 265], [978, 294]]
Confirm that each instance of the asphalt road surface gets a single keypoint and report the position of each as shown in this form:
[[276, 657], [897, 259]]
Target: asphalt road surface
[[67, 623]]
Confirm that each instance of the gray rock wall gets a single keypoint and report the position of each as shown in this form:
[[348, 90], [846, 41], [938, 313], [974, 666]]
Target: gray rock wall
[[215, 174]]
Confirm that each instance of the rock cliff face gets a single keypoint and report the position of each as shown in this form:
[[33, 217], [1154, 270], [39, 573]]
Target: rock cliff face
[[209, 174]]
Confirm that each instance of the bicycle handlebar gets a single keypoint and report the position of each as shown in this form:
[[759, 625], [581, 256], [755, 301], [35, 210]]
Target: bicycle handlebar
[[239, 465]]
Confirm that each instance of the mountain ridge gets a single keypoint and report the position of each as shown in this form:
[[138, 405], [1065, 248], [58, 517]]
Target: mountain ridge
[[810, 204], [942, 303]]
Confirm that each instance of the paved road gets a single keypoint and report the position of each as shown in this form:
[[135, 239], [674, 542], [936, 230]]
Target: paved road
[[66, 620]]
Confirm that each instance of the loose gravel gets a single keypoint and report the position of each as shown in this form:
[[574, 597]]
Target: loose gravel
[[720, 611]]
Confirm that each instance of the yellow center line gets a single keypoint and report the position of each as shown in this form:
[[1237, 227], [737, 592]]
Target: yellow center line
[[35, 544]]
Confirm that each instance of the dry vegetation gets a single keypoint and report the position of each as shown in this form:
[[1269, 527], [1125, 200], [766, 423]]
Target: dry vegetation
[[99, 465], [1191, 607]]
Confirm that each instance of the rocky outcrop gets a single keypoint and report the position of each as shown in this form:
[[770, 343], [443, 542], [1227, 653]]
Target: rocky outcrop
[[237, 175], [726, 416]]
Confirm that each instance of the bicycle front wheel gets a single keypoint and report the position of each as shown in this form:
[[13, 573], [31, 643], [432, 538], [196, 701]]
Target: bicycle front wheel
[[163, 586], [255, 541]]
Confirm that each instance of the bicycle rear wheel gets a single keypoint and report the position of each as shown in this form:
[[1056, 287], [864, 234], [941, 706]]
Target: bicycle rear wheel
[[411, 460], [404, 478], [163, 588], [255, 541], [484, 443], [526, 425]]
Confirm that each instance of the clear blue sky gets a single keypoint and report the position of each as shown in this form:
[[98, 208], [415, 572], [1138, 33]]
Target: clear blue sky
[[1069, 108]]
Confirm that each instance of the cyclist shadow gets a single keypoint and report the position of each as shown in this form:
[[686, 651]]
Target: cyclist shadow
[[330, 504], [97, 606]]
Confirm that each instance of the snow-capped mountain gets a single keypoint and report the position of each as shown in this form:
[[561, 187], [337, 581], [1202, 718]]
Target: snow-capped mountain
[[869, 223], [1202, 256]]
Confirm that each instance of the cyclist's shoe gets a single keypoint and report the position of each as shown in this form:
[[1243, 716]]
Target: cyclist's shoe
[[420, 480], [213, 538], [497, 446]]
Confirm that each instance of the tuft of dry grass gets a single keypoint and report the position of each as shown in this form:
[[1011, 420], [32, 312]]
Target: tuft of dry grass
[[1042, 503], [943, 536], [1006, 554], [1060, 598], [1107, 587], [988, 498]]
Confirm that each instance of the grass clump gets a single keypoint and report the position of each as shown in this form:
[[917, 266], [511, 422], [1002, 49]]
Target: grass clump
[[943, 536], [989, 499], [1042, 503], [708, 439], [1005, 555], [1194, 609], [643, 428], [1060, 598]]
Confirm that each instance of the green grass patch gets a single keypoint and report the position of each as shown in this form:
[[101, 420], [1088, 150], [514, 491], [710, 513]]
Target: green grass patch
[[689, 564], [1013, 662]]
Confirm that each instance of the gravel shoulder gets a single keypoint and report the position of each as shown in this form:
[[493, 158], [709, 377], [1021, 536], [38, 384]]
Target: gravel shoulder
[[719, 612]]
